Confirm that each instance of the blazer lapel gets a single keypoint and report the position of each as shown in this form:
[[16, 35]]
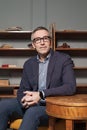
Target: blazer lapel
[[50, 69], [35, 72]]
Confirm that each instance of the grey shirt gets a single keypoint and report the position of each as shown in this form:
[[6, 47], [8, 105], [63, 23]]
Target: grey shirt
[[43, 67]]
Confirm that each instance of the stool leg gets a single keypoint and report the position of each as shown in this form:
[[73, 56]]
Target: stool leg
[[86, 125], [51, 123], [69, 125]]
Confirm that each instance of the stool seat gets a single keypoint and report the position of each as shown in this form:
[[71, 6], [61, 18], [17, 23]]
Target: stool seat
[[16, 124]]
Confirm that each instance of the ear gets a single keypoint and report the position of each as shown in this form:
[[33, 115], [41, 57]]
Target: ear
[[33, 45]]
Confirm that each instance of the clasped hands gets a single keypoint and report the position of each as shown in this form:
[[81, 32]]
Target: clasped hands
[[30, 98]]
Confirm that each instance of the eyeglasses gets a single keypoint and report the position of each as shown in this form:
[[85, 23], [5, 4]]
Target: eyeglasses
[[38, 39]]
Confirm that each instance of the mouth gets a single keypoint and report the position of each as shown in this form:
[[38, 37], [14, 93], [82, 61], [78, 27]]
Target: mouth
[[43, 47]]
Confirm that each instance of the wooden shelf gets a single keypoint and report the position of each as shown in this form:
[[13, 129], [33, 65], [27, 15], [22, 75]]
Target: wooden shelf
[[8, 91], [80, 68], [74, 51], [82, 85], [12, 85], [17, 52], [11, 68], [82, 88], [68, 35], [7, 96], [15, 34]]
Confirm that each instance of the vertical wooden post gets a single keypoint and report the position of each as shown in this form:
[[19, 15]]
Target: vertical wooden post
[[51, 123], [69, 124], [86, 124]]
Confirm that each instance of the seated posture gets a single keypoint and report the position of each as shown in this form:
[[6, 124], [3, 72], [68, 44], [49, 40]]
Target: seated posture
[[48, 73]]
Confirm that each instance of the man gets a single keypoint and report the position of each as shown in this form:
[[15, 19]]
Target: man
[[47, 74]]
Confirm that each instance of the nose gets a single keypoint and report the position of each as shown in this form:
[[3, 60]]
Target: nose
[[42, 41]]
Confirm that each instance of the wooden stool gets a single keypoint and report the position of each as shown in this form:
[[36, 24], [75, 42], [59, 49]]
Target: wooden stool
[[69, 108]]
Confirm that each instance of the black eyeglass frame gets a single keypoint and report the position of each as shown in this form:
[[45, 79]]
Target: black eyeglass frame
[[38, 39]]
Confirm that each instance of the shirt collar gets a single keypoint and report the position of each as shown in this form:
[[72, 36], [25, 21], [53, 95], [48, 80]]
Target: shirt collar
[[47, 58]]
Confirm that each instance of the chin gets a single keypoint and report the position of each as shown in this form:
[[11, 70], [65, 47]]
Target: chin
[[44, 53]]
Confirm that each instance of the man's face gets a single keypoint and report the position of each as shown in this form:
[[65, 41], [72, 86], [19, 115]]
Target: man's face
[[41, 42]]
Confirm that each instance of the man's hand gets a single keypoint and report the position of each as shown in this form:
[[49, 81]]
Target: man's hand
[[30, 99]]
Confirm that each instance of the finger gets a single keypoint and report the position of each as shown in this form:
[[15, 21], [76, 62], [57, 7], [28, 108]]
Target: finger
[[23, 100], [28, 93], [31, 103], [25, 104], [25, 92]]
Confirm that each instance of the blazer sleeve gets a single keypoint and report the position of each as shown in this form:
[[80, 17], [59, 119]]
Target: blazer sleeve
[[24, 84]]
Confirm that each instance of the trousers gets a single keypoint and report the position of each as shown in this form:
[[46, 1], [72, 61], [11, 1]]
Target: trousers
[[33, 117]]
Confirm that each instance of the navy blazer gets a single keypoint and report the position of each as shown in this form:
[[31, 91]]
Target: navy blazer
[[60, 76]]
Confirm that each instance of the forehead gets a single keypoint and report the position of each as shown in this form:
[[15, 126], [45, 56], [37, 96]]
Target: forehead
[[40, 33]]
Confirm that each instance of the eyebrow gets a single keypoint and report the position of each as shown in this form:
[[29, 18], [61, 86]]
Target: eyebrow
[[42, 37]]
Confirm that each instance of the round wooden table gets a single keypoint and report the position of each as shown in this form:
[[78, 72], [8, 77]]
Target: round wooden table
[[69, 108]]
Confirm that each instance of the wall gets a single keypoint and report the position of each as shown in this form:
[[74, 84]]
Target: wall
[[67, 14]]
